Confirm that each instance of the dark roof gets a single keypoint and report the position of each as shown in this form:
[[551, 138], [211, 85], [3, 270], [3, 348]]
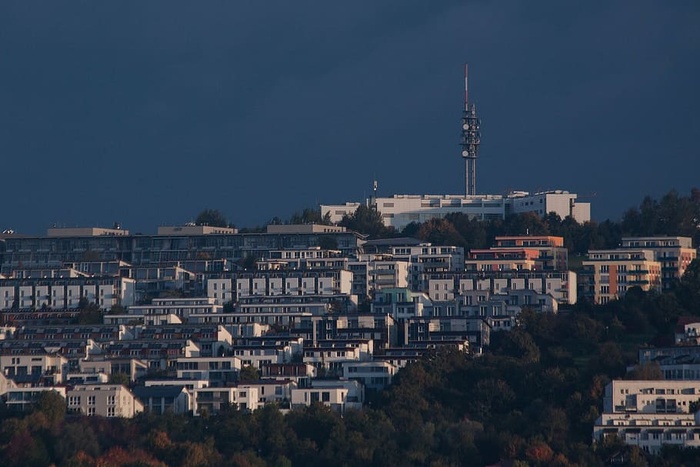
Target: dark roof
[[146, 392], [400, 241]]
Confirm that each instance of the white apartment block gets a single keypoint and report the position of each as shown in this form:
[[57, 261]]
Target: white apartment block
[[674, 254], [308, 258], [609, 274], [375, 375], [296, 284], [259, 355], [208, 368], [400, 210], [339, 395], [212, 400], [53, 367], [272, 390], [180, 307], [650, 414], [106, 400], [562, 286], [372, 272], [66, 293]]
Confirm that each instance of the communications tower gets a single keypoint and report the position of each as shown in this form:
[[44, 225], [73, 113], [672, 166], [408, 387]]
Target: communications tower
[[471, 138]]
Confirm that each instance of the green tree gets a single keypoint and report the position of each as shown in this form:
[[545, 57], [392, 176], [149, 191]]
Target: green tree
[[211, 217], [249, 373], [366, 220], [52, 405]]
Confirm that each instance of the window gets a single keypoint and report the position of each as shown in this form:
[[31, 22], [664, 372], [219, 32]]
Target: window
[[326, 396]]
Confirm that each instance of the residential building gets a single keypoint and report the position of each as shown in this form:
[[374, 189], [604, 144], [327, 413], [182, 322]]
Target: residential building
[[213, 400], [609, 274], [650, 414], [674, 253], [162, 399], [105, 400], [339, 395]]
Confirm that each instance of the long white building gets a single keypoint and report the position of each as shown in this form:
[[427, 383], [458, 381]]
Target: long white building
[[650, 414], [400, 210]]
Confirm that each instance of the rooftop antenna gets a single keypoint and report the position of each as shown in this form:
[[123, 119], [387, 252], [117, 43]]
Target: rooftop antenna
[[373, 203], [471, 137]]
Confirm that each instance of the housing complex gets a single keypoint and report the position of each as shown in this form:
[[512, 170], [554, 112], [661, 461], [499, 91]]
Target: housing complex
[[196, 319]]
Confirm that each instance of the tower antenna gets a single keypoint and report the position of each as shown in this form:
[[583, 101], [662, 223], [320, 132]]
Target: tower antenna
[[471, 137]]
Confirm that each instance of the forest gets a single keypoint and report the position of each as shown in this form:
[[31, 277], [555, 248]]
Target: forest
[[531, 400]]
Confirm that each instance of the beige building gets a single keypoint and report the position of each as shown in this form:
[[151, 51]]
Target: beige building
[[650, 414], [106, 400], [674, 254], [609, 274]]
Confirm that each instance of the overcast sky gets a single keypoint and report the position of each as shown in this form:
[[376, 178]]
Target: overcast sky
[[147, 112]]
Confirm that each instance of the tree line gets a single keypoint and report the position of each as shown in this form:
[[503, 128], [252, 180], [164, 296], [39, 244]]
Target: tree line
[[673, 215]]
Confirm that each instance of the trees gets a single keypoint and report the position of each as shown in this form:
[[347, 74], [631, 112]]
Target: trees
[[211, 217], [366, 220]]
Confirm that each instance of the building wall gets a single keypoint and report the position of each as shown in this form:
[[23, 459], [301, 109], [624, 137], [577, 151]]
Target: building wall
[[650, 414], [106, 400]]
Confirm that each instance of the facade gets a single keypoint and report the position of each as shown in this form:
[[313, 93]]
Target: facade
[[212, 400], [553, 256], [562, 286], [66, 293], [650, 414], [374, 375], [162, 399], [400, 210], [339, 395], [609, 274], [47, 369], [674, 254], [180, 307], [23, 398], [19, 252], [106, 400]]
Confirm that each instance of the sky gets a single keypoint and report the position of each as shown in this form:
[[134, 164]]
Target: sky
[[147, 112]]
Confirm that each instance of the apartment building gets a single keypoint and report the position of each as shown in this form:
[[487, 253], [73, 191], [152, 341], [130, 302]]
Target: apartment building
[[553, 256], [650, 414], [674, 254], [212, 400], [561, 285], [609, 274], [105, 400], [66, 293], [339, 395]]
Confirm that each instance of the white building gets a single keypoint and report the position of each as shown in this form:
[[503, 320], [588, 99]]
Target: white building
[[650, 414], [180, 307], [339, 395], [374, 375], [48, 366], [65, 293], [212, 400], [400, 210], [106, 400]]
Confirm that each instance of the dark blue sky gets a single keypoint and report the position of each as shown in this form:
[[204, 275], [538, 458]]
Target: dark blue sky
[[147, 112]]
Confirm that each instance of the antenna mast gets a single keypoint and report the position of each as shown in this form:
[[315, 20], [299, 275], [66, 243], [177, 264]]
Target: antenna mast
[[471, 137]]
